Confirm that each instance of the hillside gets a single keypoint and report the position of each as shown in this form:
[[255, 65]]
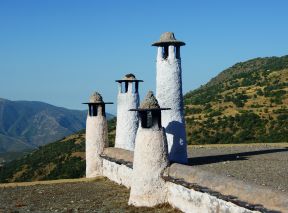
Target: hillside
[[248, 105], [29, 124], [64, 158], [245, 103], [25, 125]]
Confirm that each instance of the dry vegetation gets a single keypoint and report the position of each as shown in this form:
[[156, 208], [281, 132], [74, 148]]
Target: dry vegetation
[[245, 103], [78, 195]]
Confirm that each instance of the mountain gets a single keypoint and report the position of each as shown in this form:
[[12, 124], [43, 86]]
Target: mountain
[[61, 159], [245, 103], [29, 124]]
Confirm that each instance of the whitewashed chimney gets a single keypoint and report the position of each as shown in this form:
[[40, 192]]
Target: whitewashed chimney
[[96, 135], [150, 156], [169, 93], [127, 122]]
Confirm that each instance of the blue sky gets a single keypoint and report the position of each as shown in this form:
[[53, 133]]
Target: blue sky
[[60, 51]]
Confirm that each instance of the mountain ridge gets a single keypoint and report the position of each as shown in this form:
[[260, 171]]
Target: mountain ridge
[[259, 63], [29, 124], [247, 107], [244, 103]]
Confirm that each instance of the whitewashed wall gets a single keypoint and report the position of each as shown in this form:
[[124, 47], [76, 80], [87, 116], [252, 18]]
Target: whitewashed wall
[[118, 173], [191, 201], [169, 94], [127, 121], [194, 201], [96, 141]]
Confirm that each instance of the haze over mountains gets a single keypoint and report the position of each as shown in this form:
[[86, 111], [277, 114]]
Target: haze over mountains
[[29, 124]]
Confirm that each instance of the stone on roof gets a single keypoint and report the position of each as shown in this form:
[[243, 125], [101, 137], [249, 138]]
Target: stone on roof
[[168, 38], [150, 102], [129, 76], [96, 98]]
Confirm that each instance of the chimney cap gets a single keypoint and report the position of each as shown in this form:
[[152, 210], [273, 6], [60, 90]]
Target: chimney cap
[[130, 77], [150, 103], [168, 38], [96, 98]]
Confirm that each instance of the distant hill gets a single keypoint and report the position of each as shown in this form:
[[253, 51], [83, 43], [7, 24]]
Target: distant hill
[[29, 124], [247, 102], [61, 159]]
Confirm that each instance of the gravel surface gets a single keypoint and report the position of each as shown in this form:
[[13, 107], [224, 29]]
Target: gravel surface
[[262, 164], [100, 195]]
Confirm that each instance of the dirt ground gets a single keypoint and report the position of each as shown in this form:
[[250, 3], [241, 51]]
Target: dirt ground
[[100, 195], [262, 164]]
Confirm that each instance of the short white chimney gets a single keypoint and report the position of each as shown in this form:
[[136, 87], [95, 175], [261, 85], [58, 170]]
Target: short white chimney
[[96, 135], [150, 156], [127, 122]]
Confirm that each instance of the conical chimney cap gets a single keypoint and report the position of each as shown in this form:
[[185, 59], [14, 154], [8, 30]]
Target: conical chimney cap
[[129, 76], [96, 98], [168, 38], [150, 102]]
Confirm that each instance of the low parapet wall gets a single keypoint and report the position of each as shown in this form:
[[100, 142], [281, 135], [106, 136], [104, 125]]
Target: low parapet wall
[[246, 195], [193, 190], [117, 165], [190, 200]]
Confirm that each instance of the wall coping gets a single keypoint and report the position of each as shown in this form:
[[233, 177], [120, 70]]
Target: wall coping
[[230, 189], [241, 193], [119, 156]]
